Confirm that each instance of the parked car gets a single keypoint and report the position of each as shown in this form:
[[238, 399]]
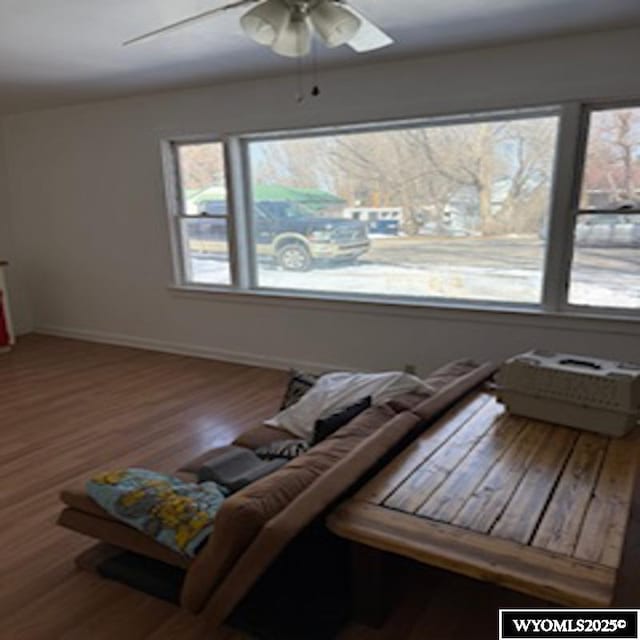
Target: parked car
[[295, 237], [608, 231], [380, 220]]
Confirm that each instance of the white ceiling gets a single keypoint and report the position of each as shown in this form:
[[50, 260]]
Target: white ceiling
[[62, 51]]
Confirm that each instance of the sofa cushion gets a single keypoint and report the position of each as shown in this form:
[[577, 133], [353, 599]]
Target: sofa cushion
[[434, 382]]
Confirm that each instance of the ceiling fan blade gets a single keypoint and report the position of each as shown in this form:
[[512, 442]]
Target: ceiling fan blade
[[188, 21], [369, 37]]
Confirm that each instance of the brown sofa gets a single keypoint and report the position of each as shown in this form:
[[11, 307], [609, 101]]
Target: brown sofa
[[255, 524]]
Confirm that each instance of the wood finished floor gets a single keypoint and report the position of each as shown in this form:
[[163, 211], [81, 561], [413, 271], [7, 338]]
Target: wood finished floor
[[68, 408]]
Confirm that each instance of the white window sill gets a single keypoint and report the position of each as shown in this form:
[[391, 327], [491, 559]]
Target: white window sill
[[576, 319]]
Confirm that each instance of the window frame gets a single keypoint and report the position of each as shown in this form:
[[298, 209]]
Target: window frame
[[174, 194], [582, 121], [565, 189], [482, 116]]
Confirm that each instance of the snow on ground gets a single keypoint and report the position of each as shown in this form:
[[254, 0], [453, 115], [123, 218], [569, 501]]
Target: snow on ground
[[453, 281], [366, 278], [623, 293]]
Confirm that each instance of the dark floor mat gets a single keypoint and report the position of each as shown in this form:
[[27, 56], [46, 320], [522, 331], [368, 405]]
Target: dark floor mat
[[304, 595], [144, 574]]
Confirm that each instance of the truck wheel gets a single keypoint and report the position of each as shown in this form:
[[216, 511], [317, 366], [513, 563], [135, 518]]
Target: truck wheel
[[294, 257]]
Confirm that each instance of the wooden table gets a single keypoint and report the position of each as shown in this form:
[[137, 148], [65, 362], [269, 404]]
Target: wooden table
[[535, 507]]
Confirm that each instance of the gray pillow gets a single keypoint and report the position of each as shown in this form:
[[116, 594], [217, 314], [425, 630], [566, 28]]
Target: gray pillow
[[236, 467]]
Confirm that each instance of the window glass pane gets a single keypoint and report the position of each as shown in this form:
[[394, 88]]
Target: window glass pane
[[453, 211], [205, 242], [612, 167], [606, 262]]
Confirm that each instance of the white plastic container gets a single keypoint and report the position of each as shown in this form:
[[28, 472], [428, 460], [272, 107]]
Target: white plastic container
[[582, 392]]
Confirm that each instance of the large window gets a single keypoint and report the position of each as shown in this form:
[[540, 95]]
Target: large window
[[454, 211], [467, 209], [606, 266]]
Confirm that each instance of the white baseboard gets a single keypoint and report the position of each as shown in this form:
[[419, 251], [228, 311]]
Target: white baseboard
[[136, 342]]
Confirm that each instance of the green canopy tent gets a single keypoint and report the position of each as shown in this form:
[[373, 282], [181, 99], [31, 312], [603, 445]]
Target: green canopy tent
[[313, 199]]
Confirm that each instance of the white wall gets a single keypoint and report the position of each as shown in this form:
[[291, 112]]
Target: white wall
[[89, 211], [5, 238], [8, 251]]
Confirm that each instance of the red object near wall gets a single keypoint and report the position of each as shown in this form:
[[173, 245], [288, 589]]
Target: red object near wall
[[4, 331]]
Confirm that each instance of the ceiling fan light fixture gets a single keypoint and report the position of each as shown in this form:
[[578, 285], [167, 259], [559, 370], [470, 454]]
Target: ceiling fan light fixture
[[294, 39], [286, 25], [264, 22], [335, 25]]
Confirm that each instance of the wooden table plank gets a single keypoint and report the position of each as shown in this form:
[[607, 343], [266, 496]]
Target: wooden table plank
[[492, 495], [520, 519], [536, 572], [434, 470], [562, 521], [449, 498], [602, 535], [626, 593], [536, 507], [403, 466]]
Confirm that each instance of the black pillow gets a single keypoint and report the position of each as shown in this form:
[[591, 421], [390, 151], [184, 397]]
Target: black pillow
[[326, 426], [299, 383]]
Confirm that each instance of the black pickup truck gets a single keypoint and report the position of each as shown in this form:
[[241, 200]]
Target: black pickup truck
[[293, 236]]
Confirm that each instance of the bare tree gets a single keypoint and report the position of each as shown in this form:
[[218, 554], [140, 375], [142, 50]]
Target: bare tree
[[612, 170], [201, 165], [497, 172], [297, 163]]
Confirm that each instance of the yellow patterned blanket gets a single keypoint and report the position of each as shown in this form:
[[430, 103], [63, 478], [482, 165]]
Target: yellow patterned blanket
[[177, 514]]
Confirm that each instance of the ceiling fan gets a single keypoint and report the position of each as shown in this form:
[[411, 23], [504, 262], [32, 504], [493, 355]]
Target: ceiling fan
[[287, 26]]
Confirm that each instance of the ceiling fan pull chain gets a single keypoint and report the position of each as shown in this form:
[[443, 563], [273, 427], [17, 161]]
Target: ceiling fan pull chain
[[315, 90], [300, 81]]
